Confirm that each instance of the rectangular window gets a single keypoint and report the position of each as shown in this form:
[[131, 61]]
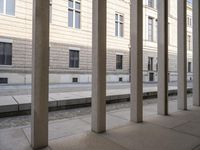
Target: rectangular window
[[1, 6], [7, 7], [50, 11], [189, 67], [156, 30], [119, 25], [119, 61], [5, 53], [189, 42], [74, 13], [73, 59], [150, 29], [74, 80], [189, 21], [151, 3], [10, 7], [3, 80], [150, 63]]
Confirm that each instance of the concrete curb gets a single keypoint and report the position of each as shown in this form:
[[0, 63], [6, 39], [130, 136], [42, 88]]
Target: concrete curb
[[21, 104]]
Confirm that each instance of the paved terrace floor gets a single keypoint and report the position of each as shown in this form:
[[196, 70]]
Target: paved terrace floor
[[178, 131]]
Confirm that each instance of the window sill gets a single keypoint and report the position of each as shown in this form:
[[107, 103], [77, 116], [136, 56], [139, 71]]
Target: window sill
[[7, 15]]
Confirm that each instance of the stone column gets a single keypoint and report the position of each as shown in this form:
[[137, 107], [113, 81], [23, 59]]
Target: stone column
[[182, 55], [136, 33], [99, 66], [196, 52], [40, 74], [162, 57]]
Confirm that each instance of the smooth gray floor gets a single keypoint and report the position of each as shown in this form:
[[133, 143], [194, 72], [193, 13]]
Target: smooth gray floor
[[178, 131]]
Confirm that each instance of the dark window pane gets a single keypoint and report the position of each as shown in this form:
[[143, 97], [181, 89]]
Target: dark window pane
[[70, 18], [121, 29], [73, 59], [150, 29], [70, 3], [50, 12], [77, 21], [116, 28], [116, 17], [8, 54], [5, 53], [150, 3], [77, 5], [2, 56], [1, 6], [121, 18], [10, 7], [119, 61], [150, 63]]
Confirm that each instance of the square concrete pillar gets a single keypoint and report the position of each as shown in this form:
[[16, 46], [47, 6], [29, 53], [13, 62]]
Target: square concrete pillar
[[162, 57], [196, 52], [99, 66], [182, 55], [40, 74], [136, 33]]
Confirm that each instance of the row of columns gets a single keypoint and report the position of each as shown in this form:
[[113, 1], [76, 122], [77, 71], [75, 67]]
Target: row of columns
[[39, 126]]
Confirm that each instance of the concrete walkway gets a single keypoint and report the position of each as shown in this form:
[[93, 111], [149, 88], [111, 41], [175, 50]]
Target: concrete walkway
[[20, 103], [178, 131]]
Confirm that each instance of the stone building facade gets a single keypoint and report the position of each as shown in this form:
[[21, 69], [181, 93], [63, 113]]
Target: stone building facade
[[71, 41]]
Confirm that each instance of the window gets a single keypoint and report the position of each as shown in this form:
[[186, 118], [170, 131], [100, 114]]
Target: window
[[119, 25], [3, 80], [5, 53], [150, 63], [120, 79], [50, 11], [189, 42], [74, 80], [189, 21], [151, 3], [189, 2], [119, 61], [156, 30], [189, 67], [157, 64], [73, 59], [7, 7], [150, 29], [74, 13]]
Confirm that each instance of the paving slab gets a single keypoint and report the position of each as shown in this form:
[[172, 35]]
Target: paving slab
[[124, 114], [24, 101], [63, 128], [8, 104], [111, 121], [146, 136], [14, 139], [191, 128], [86, 141], [165, 121]]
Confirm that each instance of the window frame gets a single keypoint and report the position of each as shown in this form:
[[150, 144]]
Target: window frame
[[50, 11], [73, 66], [119, 67], [150, 64], [74, 10], [189, 42], [152, 29], [119, 23], [5, 8], [151, 4], [189, 67], [4, 54]]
